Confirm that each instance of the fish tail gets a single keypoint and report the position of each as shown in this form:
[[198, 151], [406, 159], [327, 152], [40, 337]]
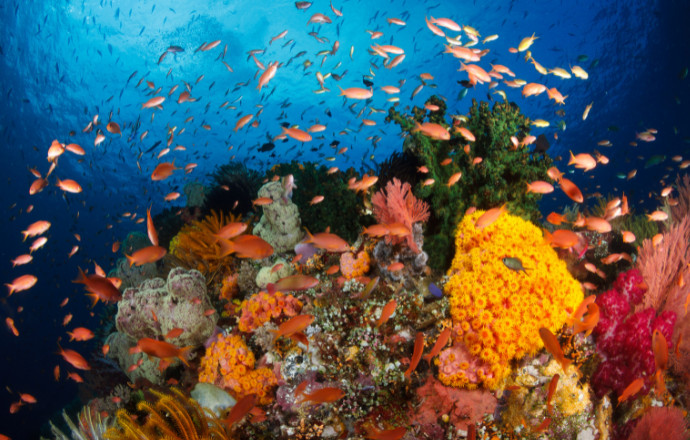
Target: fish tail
[[130, 259], [11, 287], [94, 297], [182, 354]]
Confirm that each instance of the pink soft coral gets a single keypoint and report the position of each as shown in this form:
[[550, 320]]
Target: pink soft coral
[[624, 340], [397, 204], [661, 423]]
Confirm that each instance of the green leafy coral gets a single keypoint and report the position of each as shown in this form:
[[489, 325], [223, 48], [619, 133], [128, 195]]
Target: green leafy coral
[[499, 178]]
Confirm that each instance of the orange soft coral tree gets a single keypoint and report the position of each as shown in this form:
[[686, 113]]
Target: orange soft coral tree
[[397, 204], [196, 245]]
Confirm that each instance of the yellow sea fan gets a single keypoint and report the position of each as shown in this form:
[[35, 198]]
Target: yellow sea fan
[[485, 293]]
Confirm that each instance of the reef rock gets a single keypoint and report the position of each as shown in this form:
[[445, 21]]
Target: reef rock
[[158, 306], [280, 225], [267, 275], [120, 344]]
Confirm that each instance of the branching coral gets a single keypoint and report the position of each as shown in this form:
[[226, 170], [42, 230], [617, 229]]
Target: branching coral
[[172, 416], [499, 178], [397, 204], [196, 245], [263, 306], [229, 364], [497, 311]]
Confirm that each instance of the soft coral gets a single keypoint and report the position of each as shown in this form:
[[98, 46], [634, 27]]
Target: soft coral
[[624, 340], [397, 204]]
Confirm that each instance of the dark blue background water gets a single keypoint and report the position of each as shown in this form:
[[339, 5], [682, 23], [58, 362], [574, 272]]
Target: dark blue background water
[[64, 62]]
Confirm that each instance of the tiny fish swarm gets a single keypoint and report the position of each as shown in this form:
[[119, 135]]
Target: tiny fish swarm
[[229, 364], [263, 306], [497, 312]]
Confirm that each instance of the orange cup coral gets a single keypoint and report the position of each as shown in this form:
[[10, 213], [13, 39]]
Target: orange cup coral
[[229, 364], [352, 267], [497, 311], [263, 306]]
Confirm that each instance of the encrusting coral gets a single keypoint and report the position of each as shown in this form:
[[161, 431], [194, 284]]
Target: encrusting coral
[[158, 306], [229, 364], [280, 225], [263, 306], [497, 311]]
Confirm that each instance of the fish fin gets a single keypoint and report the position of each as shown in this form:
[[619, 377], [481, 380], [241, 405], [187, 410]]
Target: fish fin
[[182, 354], [130, 259]]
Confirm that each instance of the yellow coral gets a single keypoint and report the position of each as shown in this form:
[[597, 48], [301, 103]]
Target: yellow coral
[[500, 310], [228, 363], [196, 245]]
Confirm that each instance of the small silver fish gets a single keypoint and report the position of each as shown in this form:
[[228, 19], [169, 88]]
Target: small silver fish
[[515, 264]]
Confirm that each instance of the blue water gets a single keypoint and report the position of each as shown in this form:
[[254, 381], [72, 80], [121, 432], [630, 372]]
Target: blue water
[[65, 62]]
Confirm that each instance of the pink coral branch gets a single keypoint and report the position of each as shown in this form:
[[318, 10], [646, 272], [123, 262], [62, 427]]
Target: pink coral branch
[[397, 204]]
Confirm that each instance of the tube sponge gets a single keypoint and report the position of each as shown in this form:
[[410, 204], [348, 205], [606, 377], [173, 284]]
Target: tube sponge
[[497, 311]]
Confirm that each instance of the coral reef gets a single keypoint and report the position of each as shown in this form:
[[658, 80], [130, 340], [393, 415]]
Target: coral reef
[[499, 178], [233, 188], [197, 247], [351, 266], [132, 276], [158, 306], [263, 306], [135, 365], [280, 224], [497, 311], [229, 364], [168, 415], [624, 339], [195, 194], [313, 180]]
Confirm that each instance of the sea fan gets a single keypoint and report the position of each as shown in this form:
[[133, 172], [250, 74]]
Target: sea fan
[[397, 204], [661, 423]]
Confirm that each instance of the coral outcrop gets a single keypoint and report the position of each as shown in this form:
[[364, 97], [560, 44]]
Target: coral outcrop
[[497, 311], [158, 306], [280, 225]]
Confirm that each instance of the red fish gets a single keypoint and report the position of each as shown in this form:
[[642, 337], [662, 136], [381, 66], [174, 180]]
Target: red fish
[[324, 395], [163, 350], [293, 325], [100, 288], [74, 359], [247, 246], [241, 409], [149, 254], [416, 354]]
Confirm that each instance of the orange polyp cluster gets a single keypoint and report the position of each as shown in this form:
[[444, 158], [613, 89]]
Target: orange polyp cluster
[[352, 267], [229, 364], [264, 306], [229, 287], [497, 311]]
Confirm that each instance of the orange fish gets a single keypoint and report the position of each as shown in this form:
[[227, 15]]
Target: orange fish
[[432, 130], [80, 334], [36, 228], [332, 270], [151, 230], [297, 134], [244, 120], [231, 230], [10, 324], [539, 187], [75, 377], [386, 312], [67, 319], [441, 342], [324, 395], [561, 238], [395, 267], [74, 359], [241, 409], [56, 373], [589, 321], [247, 246], [583, 161], [597, 224], [316, 199], [262, 201], [149, 254], [385, 434], [163, 170], [552, 389], [172, 196], [293, 325], [466, 133], [295, 282], [153, 102], [19, 284], [37, 186], [571, 190], [377, 230], [628, 237], [356, 93], [416, 353], [452, 180], [100, 288], [552, 346], [326, 240], [632, 389], [490, 216], [69, 185], [174, 333], [114, 128], [28, 398], [556, 219], [163, 350], [660, 349]]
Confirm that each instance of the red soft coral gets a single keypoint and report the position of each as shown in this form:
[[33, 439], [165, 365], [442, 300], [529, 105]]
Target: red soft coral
[[397, 204], [661, 423]]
